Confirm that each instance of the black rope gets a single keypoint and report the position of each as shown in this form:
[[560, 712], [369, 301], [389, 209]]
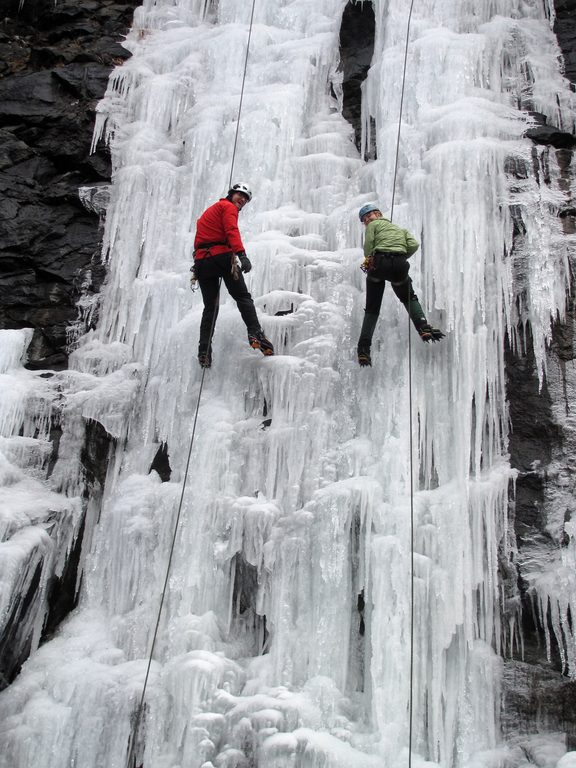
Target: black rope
[[131, 762], [401, 109], [411, 447], [411, 704], [242, 92], [134, 734]]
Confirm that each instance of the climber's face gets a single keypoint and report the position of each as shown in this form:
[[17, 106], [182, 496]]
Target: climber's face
[[239, 199], [371, 216]]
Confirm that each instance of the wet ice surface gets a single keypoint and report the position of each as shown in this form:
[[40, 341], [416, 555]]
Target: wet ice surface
[[285, 635]]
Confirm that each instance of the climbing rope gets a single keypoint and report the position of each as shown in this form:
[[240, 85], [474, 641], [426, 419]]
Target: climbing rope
[[242, 92], [131, 761], [410, 425], [407, 44], [133, 736]]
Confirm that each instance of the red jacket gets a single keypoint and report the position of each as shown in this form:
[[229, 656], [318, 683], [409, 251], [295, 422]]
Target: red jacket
[[218, 225]]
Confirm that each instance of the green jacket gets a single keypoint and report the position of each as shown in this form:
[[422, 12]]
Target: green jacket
[[382, 235]]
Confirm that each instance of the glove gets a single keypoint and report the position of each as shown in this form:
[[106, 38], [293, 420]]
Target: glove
[[245, 264]]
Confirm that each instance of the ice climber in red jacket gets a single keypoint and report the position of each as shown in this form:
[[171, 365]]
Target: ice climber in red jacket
[[219, 255]]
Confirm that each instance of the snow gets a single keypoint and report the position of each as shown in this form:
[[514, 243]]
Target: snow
[[285, 634]]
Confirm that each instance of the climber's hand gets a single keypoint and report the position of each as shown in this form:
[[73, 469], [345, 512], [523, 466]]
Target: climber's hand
[[245, 264]]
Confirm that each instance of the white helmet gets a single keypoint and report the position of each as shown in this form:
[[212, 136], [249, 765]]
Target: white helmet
[[241, 187]]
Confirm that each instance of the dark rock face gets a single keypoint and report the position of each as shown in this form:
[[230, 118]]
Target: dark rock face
[[16, 638], [161, 463], [537, 695], [55, 59], [532, 437], [537, 699], [547, 134], [565, 29], [356, 49]]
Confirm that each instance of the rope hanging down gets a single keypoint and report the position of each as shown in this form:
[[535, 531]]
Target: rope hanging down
[[410, 425], [131, 761]]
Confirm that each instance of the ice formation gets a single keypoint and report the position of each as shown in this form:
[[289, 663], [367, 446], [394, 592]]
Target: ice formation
[[284, 640]]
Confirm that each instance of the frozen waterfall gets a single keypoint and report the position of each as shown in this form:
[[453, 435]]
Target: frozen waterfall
[[285, 636]]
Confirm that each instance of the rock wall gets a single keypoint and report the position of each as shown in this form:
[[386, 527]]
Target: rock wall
[[536, 693], [356, 49], [565, 29], [55, 59]]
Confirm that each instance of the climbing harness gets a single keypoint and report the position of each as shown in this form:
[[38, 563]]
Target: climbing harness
[[205, 248], [133, 740]]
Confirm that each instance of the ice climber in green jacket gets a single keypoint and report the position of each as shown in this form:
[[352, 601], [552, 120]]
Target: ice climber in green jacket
[[387, 249]]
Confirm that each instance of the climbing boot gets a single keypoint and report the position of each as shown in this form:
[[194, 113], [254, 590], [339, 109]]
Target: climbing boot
[[205, 357], [364, 358], [259, 341], [427, 333]]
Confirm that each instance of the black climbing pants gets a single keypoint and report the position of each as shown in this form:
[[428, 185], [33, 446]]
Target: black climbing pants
[[209, 271], [393, 267]]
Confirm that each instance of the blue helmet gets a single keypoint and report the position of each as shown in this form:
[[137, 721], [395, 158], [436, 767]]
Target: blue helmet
[[368, 208]]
